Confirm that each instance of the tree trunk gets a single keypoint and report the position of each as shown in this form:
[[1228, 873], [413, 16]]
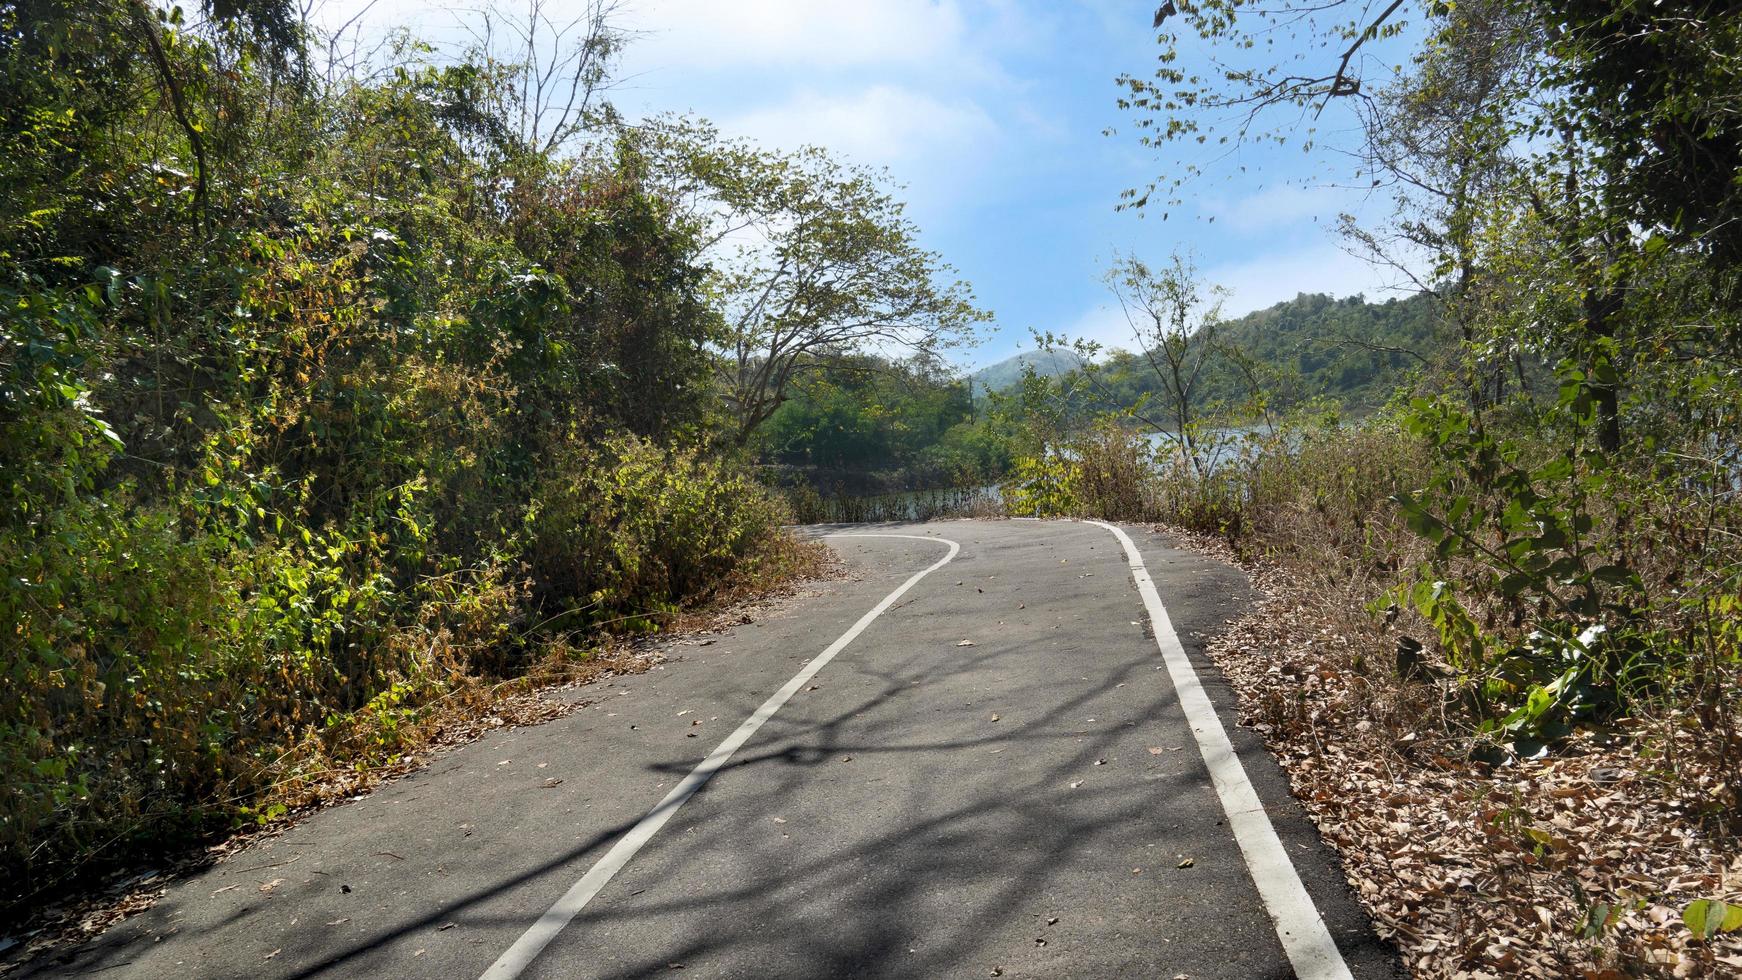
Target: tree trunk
[[1601, 308]]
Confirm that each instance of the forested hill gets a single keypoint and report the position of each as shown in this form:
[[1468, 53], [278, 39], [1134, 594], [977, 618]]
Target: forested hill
[[1005, 373], [1351, 349]]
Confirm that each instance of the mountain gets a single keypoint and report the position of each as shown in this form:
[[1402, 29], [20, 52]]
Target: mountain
[[1005, 373], [1350, 349]]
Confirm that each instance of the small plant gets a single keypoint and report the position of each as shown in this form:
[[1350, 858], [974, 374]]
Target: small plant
[[1533, 536]]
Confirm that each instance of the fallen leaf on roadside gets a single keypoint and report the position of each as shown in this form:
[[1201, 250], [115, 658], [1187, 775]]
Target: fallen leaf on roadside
[[1156, 750], [552, 782], [269, 886], [966, 643], [1188, 862]]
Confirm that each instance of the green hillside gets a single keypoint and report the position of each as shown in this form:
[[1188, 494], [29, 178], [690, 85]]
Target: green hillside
[[1355, 351], [1005, 373], [1349, 349]]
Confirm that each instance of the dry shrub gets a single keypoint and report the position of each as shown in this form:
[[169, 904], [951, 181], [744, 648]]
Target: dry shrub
[[1582, 861]]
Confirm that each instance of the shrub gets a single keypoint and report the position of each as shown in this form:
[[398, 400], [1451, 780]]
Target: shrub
[[626, 532]]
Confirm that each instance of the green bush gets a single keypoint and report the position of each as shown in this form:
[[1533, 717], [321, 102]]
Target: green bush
[[297, 386], [626, 531], [1108, 472]]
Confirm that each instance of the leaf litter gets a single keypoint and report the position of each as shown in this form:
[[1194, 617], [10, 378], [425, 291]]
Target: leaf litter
[[1586, 863]]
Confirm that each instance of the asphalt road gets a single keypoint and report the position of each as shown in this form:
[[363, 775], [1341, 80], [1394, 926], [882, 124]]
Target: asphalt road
[[1034, 802]]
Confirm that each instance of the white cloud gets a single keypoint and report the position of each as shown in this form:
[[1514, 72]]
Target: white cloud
[[710, 34], [437, 20], [1103, 323], [714, 35], [1274, 208], [884, 125], [1270, 279]]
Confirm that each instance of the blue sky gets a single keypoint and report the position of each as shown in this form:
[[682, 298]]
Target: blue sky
[[992, 113]]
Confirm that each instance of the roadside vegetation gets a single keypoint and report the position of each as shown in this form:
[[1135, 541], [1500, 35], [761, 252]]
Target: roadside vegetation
[[339, 394], [1502, 654], [871, 438]]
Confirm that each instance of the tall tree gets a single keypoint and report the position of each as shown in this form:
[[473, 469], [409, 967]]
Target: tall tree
[[812, 258]]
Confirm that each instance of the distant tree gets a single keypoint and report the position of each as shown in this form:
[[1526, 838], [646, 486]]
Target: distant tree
[[1174, 324], [812, 258], [1585, 147], [1174, 321], [558, 59]]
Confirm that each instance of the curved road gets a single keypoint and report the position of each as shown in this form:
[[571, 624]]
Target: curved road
[[981, 755]]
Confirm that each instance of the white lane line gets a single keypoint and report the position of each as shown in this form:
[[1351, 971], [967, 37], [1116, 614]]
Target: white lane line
[[520, 955], [1309, 945]]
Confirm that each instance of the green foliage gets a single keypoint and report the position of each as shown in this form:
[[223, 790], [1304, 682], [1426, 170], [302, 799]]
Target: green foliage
[[299, 387], [624, 532], [1541, 532], [865, 423], [1041, 486], [1270, 361], [1638, 81], [1709, 917], [812, 258]]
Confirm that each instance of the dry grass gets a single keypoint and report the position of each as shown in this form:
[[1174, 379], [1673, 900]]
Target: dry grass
[[1474, 870]]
